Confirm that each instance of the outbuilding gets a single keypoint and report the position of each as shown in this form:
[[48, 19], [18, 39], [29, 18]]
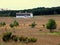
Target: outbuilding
[[24, 15]]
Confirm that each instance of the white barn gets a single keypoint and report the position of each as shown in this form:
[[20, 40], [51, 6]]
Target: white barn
[[24, 15]]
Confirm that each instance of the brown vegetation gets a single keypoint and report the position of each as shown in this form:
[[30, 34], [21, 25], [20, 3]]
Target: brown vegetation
[[25, 30]]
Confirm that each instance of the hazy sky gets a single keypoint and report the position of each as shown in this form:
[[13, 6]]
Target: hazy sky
[[26, 4]]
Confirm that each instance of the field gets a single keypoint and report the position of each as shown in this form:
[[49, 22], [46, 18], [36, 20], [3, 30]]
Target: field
[[44, 37]]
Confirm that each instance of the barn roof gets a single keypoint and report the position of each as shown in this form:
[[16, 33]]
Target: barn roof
[[23, 13]]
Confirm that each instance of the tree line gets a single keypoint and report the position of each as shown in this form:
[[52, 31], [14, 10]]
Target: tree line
[[36, 11]]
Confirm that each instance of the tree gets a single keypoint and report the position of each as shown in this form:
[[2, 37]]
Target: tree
[[51, 25]]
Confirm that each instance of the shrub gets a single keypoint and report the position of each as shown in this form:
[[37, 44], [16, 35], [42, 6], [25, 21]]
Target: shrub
[[16, 23], [33, 25], [2, 23], [11, 25], [51, 25], [21, 38], [14, 38], [43, 26], [29, 40], [7, 36], [25, 39], [32, 40]]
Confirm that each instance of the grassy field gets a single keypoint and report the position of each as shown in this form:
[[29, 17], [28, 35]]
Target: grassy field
[[42, 34]]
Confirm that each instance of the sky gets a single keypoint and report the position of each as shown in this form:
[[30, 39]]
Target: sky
[[27, 4]]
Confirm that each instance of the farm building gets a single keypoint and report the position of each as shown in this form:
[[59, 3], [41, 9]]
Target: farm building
[[24, 15]]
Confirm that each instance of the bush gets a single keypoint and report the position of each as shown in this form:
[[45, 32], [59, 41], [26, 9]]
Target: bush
[[2, 23], [43, 26], [25, 39], [15, 23], [21, 38], [33, 25], [7, 36], [14, 38], [29, 40], [51, 25], [33, 39], [11, 25]]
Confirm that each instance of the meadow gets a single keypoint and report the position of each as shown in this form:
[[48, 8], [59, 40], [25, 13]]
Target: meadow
[[43, 35]]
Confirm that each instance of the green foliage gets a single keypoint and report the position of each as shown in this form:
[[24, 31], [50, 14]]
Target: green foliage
[[2, 23], [29, 40], [14, 38], [26, 39], [14, 24], [21, 38], [11, 25], [33, 25], [51, 24], [55, 33], [36, 11], [7, 36], [32, 40]]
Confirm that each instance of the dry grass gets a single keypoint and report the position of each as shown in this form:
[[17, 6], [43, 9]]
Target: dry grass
[[24, 30]]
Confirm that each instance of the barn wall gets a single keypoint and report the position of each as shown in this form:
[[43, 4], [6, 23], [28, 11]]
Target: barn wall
[[31, 15]]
